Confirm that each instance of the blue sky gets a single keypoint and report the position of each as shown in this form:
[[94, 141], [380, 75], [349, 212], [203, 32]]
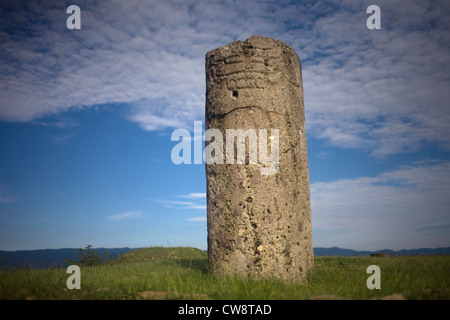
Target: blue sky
[[86, 118]]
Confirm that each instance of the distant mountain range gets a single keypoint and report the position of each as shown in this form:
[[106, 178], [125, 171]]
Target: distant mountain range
[[320, 252], [47, 258]]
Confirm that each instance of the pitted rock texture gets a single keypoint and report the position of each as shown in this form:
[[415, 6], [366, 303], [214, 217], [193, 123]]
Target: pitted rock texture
[[259, 226]]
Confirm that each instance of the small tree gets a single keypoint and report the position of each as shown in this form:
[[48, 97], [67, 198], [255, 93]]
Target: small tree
[[88, 257]]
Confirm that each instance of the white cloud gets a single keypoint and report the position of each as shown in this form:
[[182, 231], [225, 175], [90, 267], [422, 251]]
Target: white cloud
[[188, 205], [198, 201], [384, 211], [385, 90], [59, 122], [126, 216], [62, 139], [197, 219], [126, 58], [193, 195]]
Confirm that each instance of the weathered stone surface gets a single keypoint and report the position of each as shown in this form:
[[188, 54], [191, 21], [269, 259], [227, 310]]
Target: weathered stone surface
[[259, 225]]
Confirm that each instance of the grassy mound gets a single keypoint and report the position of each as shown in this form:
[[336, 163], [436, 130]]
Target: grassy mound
[[162, 254], [182, 273]]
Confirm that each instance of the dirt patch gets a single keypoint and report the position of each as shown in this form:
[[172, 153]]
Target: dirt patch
[[395, 296], [326, 297], [170, 295]]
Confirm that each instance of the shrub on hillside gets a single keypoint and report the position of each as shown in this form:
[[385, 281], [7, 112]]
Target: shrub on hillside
[[88, 257]]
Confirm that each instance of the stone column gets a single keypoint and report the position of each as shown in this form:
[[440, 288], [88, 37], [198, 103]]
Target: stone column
[[259, 214]]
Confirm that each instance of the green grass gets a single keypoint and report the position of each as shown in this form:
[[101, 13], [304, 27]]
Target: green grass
[[182, 273]]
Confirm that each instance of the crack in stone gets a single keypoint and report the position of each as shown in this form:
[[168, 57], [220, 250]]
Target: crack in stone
[[223, 115]]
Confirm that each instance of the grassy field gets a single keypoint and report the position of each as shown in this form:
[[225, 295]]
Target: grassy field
[[182, 273]]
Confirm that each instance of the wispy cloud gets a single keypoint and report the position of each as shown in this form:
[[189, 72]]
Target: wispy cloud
[[189, 205], [387, 207], [59, 121], [435, 228], [385, 91], [197, 219], [126, 216], [193, 196], [198, 201], [182, 204], [62, 139]]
